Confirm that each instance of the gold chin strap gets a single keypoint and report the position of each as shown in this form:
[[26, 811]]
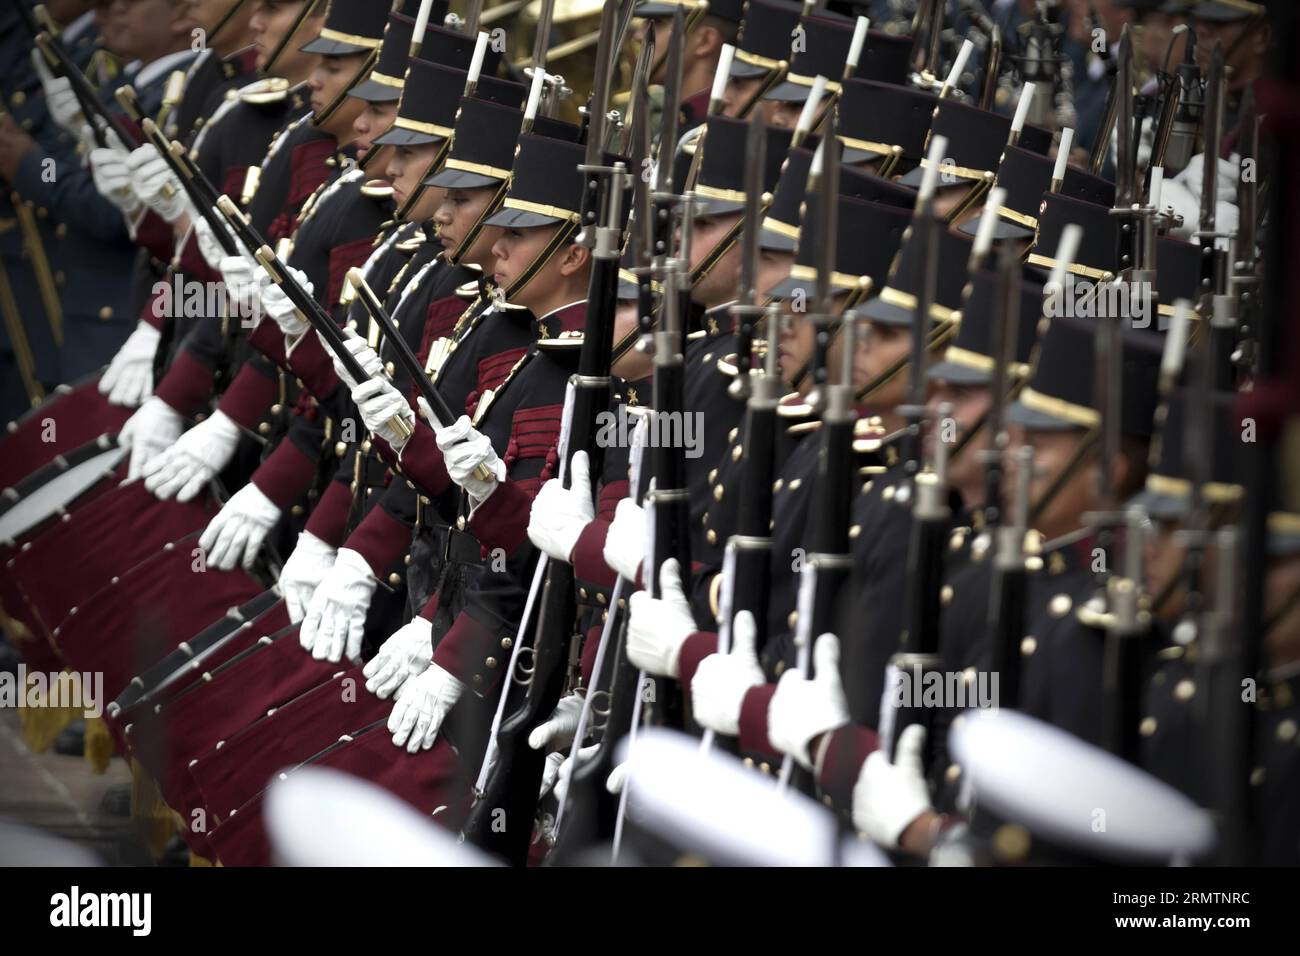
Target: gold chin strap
[[493, 205], [563, 237], [18, 341], [1086, 447], [303, 14]]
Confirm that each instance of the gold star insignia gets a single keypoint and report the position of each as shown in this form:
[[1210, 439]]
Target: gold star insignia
[[543, 331], [631, 397], [713, 326]]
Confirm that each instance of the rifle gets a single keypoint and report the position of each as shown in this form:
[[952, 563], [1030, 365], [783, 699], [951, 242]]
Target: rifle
[[1244, 282], [512, 770], [1216, 307]]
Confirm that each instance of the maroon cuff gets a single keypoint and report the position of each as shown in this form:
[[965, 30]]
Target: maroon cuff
[[384, 450], [268, 339], [249, 396], [430, 610], [422, 462], [842, 760], [156, 235], [471, 654], [502, 520], [589, 650], [589, 556], [285, 475], [697, 647], [753, 720], [380, 539], [187, 384], [156, 308], [193, 265], [311, 363], [329, 518]]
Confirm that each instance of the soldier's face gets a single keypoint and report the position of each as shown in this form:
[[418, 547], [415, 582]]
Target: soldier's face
[[796, 348], [1053, 451], [739, 91], [150, 28], [517, 249], [1162, 563], [782, 115], [1245, 58], [719, 285], [208, 13], [773, 267], [328, 82], [967, 406], [407, 166], [1157, 29], [880, 349], [271, 22], [375, 119], [456, 215]]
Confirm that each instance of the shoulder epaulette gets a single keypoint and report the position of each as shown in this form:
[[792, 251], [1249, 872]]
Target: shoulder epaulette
[[270, 89]]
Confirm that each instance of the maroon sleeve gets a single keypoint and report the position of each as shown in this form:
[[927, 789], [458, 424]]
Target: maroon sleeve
[[590, 648], [343, 258], [249, 395], [464, 653], [697, 647], [421, 461], [193, 264], [311, 363], [380, 539], [502, 520], [156, 235], [187, 384], [753, 720], [429, 610], [589, 555], [329, 518], [285, 474], [843, 756], [267, 338], [155, 310]]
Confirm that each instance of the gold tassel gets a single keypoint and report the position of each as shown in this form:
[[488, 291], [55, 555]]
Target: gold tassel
[[42, 723], [151, 817], [99, 745]]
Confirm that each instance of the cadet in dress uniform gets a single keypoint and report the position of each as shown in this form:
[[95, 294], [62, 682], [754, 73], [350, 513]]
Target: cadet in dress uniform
[[707, 31]]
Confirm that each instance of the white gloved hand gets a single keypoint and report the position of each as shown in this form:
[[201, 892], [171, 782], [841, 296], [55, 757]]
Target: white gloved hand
[[551, 772], [721, 681], [406, 654], [422, 705], [185, 469], [464, 448], [559, 514], [379, 402], [625, 542], [336, 617], [802, 709], [112, 177], [658, 627], [889, 796], [558, 729], [236, 534], [62, 103], [153, 429], [277, 305], [366, 357], [128, 380], [212, 250], [154, 183], [563, 770], [617, 777], [242, 277], [1182, 195], [305, 568]]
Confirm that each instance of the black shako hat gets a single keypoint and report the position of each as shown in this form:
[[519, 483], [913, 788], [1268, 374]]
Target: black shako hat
[[1098, 249], [384, 84], [1168, 492], [732, 11], [969, 359], [896, 303], [1061, 392], [721, 186], [876, 119], [764, 41], [430, 98], [547, 185], [1026, 175], [351, 26], [824, 50], [976, 139]]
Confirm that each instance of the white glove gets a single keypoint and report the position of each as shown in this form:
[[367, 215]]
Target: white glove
[[801, 709], [422, 705], [153, 429], [379, 402], [128, 380], [236, 534], [278, 307], [617, 777], [658, 627], [153, 181], [366, 357], [889, 796], [722, 680], [305, 568], [464, 448], [336, 617], [59, 98], [563, 771], [112, 176], [551, 772], [406, 654], [558, 729], [625, 541], [185, 469], [1182, 195], [559, 514], [242, 278], [211, 250]]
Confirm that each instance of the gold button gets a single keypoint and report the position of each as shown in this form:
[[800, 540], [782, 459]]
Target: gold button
[[1033, 564], [731, 435], [866, 486], [778, 485], [365, 447], [794, 485], [749, 761], [478, 678], [61, 231], [1184, 690], [1011, 842], [792, 620], [19, 98], [737, 452], [296, 510], [957, 539], [854, 532], [1060, 605], [600, 598], [1028, 644], [106, 312], [1147, 727], [945, 595], [200, 416], [582, 593], [340, 449], [353, 487], [407, 560], [888, 493], [711, 536], [779, 669], [264, 428], [953, 773], [765, 767], [1286, 731], [490, 663], [277, 408], [59, 277], [713, 474], [717, 492], [460, 523], [390, 368], [394, 579], [507, 643]]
